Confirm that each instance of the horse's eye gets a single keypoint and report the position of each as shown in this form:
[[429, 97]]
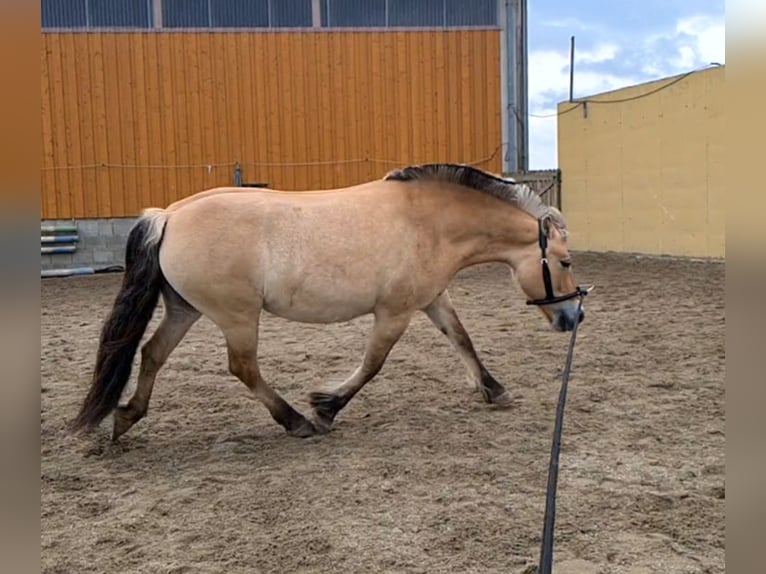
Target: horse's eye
[[566, 264]]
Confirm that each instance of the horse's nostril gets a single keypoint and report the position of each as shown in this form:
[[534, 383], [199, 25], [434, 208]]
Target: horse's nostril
[[566, 322], [582, 316]]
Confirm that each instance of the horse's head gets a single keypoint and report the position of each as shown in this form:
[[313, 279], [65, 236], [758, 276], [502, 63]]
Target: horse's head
[[545, 275]]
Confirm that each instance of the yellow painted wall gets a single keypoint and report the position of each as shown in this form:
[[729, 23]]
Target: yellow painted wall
[[646, 175]]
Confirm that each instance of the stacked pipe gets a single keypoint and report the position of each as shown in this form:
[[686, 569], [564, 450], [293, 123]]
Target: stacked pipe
[[58, 238], [63, 239]]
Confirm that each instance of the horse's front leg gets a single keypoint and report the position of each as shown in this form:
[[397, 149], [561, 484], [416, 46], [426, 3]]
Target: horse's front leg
[[385, 333], [443, 315]]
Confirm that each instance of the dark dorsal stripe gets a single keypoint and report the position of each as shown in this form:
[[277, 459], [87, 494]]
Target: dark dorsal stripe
[[464, 175], [508, 190]]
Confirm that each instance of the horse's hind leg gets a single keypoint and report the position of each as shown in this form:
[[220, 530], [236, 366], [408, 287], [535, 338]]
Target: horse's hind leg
[[178, 319], [242, 343], [443, 315], [385, 334]]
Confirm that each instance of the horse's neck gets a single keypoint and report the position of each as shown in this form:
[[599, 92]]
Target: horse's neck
[[490, 233]]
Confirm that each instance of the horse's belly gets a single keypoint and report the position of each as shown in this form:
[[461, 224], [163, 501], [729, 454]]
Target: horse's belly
[[323, 306]]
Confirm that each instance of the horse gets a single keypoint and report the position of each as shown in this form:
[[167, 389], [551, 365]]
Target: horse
[[388, 247]]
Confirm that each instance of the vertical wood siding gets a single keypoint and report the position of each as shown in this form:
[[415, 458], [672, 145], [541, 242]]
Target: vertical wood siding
[[132, 120]]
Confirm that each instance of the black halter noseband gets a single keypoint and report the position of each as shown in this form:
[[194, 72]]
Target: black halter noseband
[[550, 298]]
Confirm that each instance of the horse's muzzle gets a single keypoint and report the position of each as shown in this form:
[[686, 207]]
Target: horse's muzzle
[[564, 319]]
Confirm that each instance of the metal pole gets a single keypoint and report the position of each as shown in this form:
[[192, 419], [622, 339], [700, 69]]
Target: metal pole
[[502, 9], [237, 175], [513, 60], [157, 13], [508, 76], [521, 64], [571, 67]]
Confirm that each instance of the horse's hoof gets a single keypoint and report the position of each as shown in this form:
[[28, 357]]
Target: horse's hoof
[[120, 429], [326, 406], [124, 418], [502, 400], [303, 430], [322, 424]]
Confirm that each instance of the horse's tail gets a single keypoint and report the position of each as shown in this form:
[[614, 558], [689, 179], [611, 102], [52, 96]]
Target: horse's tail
[[132, 310]]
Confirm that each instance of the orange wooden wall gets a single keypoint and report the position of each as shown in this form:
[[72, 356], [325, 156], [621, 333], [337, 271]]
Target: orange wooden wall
[[138, 119]]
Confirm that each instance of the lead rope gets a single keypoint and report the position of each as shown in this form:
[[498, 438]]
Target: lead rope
[[546, 551]]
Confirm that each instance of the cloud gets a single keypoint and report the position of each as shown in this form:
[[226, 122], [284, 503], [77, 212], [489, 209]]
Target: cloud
[[542, 143], [694, 41], [601, 53], [548, 75], [568, 23], [616, 61], [548, 84], [705, 36]]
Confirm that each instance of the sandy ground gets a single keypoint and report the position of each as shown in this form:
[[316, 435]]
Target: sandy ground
[[419, 474]]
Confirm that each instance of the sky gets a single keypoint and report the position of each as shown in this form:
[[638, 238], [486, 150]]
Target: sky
[[617, 43]]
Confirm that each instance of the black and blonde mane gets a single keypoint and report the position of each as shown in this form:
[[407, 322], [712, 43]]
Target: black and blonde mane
[[517, 194]]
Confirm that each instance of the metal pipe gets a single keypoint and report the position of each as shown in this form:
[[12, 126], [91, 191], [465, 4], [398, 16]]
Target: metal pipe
[[67, 272], [523, 89], [59, 238], [237, 175], [513, 76], [571, 68], [58, 228], [511, 153], [156, 13], [58, 249]]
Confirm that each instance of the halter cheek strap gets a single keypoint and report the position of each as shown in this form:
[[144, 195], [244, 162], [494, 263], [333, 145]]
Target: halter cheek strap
[[550, 298]]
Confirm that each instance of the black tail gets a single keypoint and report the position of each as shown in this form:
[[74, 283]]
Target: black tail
[[133, 309]]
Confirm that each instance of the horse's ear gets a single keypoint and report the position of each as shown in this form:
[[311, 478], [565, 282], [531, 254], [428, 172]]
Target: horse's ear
[[547, 225], [553, 220]]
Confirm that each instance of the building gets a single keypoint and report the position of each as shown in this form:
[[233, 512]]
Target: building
[[147, 101], [643, 167]]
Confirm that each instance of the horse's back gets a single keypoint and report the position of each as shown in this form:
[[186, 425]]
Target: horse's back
[[317, 256], [275, 194]]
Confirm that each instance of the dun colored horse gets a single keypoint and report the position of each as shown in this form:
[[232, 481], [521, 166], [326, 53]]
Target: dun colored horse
[[389, 247]]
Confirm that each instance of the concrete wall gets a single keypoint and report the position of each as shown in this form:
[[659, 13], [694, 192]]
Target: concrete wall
[[101, 244], [647, 175]]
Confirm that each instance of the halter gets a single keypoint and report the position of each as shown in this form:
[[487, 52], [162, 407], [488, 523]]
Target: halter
[[550, 298]]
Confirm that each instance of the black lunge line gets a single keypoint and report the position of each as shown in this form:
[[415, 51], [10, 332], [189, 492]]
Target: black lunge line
[[546, 551]]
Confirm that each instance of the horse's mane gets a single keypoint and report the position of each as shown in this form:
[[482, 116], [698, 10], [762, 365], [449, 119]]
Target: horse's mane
[[517, 194]]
